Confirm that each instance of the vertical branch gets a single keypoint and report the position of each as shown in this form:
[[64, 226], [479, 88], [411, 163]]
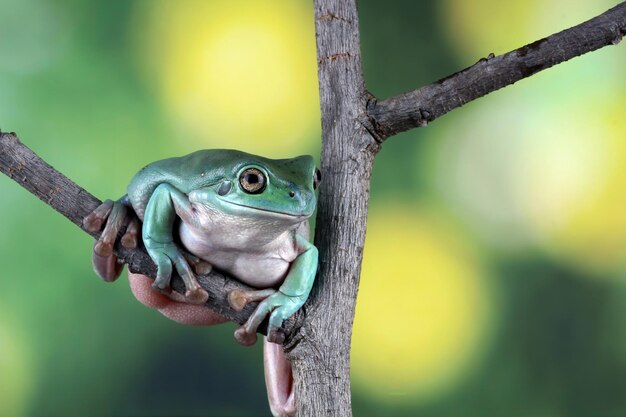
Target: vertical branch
[[320, 353]]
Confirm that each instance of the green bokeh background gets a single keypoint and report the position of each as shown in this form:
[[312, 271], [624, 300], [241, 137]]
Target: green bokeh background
[[73, 88]]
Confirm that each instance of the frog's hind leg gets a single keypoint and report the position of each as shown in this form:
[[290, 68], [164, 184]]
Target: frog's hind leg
[[116, 215], [278, 380]]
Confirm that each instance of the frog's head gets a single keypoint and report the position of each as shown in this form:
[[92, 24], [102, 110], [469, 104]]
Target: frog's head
[[252, 186]]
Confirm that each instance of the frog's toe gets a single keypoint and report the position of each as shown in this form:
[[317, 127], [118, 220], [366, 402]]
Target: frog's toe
[[238, 299], [107, 267], [196, 296], [244, 337], [130, 238], [200, 266], [102, 248], [93, 221]]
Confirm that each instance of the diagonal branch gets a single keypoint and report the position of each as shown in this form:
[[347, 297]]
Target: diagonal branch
[[31, 172], [419, 107]]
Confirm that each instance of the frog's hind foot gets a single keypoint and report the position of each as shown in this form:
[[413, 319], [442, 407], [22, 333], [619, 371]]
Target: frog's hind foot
[[114, 215]]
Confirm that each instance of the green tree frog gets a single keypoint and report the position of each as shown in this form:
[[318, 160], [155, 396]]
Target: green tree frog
[[244, 214]]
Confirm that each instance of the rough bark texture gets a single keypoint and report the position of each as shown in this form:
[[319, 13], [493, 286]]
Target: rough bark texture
[[354, 124], [320, 352], [55, 189], [419, 107]]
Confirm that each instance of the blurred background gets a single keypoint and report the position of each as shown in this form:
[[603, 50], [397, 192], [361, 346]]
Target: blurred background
[[494, 280]]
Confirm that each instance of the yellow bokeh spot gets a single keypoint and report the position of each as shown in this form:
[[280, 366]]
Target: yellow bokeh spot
[[553, 181], [423, 307], [15, 372], [238, 74], [541, 164], [594, 231]]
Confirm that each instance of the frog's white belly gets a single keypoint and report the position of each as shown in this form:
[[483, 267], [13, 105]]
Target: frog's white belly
[[261, 267], [253, 269]]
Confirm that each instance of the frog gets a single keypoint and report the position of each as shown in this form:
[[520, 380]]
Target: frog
[[243, 214]]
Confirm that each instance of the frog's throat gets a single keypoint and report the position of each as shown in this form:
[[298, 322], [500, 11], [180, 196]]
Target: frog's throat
[[279, 214]]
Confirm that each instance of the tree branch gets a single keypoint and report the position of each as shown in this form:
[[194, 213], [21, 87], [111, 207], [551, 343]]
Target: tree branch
[[419, 107], [321, 359], [59, 192]]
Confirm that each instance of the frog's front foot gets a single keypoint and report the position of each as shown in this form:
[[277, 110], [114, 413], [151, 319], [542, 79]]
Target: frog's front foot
[[164, 254], [114, 215], [277, 305], [200, 266]]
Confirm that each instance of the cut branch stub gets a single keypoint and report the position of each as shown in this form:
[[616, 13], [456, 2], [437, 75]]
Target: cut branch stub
[[56, 190], [419, 107]]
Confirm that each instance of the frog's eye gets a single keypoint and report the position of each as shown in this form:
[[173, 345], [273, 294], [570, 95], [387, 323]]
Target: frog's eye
[[252, 181], [317, 178]]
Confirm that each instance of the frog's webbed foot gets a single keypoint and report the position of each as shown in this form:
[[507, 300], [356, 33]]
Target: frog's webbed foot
[[277, 305], [114, 215], [166, 254]]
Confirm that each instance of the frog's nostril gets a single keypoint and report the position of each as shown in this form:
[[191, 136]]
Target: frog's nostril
[[292, 194], [224, 188]]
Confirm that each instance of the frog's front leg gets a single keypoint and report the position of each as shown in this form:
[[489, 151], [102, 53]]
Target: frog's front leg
[[280, 304], [157, 233]]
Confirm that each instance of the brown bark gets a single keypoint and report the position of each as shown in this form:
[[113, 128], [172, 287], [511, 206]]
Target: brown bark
[[320, 352]]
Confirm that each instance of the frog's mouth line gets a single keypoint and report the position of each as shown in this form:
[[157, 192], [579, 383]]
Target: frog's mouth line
[[276, 213]]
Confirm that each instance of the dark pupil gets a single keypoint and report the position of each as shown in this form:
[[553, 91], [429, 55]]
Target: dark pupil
[[252, 181]]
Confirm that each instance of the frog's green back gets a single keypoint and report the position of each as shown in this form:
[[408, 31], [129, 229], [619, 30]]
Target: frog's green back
[[208, 167]]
